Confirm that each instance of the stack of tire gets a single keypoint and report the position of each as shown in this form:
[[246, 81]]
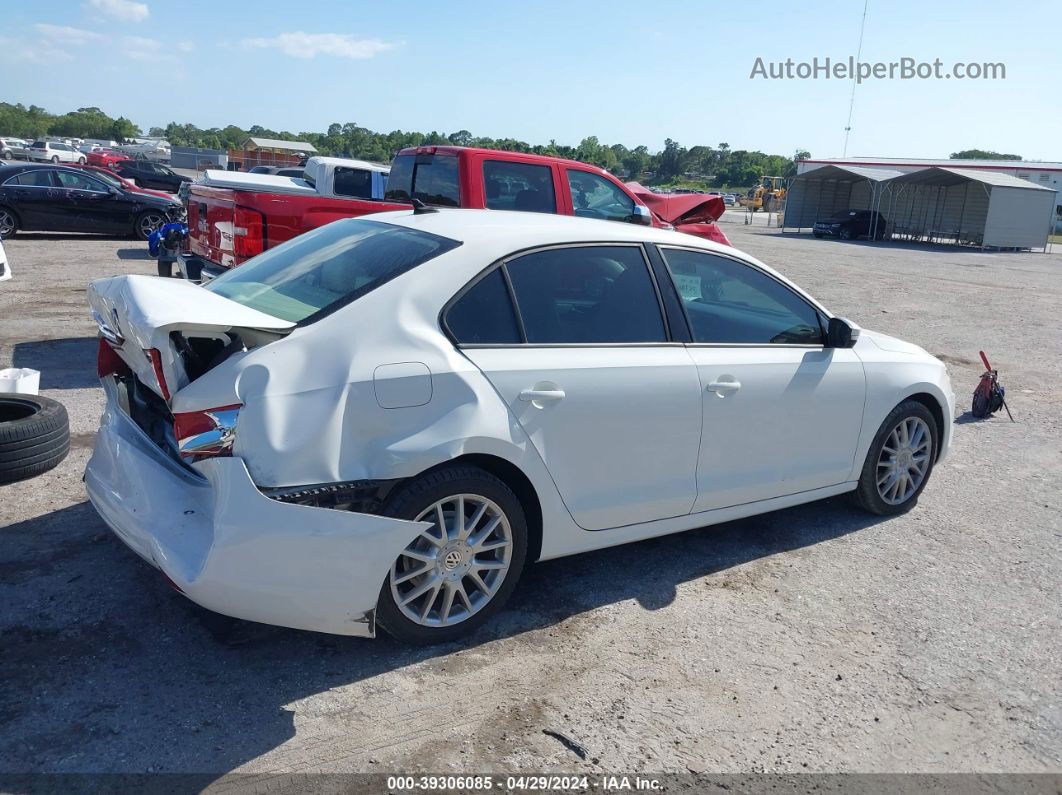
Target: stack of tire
[[34, 436]]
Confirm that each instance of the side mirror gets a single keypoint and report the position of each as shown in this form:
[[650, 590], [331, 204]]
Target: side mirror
[[841, 333], [113, 191], [641, 215]]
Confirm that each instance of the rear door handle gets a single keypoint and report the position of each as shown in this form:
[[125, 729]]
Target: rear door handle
[[722, 388], [541, 395]]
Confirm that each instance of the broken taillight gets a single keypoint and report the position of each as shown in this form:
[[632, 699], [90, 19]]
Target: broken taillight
[[248, 233], [206, 434], [108, 362], [156, 365]]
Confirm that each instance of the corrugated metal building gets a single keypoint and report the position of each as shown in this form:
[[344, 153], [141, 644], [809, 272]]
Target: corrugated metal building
[[937, 205]]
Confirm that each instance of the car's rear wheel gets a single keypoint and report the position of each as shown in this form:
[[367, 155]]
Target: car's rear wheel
[[8, 222], [454, 576], [148, 222], [900, 460]]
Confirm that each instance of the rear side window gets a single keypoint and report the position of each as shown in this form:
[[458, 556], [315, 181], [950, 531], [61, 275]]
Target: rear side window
[[484, 314], [326, 268], [39, 178], [518, 186], [587, 294], [353, 182], [40, 145], [431, 178]]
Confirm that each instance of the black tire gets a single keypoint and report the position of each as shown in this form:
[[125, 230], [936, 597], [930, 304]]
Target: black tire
[[818, 234], [866, 493], [846, 233], [7, 156], [140, 232], [34, 436], [55, 159], [415, 496], [81, 161], [9, 221]]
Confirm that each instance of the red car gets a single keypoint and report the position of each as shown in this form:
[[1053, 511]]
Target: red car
[[105, 158], [111, 178]]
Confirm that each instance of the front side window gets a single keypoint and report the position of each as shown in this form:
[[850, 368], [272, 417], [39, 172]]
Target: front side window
[[80, 182], [484, 314], [593, 196], [328, 267], [518, 186], [353, 182], [729, 302], [431, 178], [586, 294]]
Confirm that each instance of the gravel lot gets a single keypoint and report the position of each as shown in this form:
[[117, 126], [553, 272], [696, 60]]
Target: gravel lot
[[811, 639]]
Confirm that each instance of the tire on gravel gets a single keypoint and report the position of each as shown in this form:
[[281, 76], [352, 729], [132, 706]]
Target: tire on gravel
[[408, 501], [34, 436]]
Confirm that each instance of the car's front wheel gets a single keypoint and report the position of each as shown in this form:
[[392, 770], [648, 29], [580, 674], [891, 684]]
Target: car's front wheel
[[900, 460], [846, 233], [146, 223], [55, 159], [81, 161], [459, 572]]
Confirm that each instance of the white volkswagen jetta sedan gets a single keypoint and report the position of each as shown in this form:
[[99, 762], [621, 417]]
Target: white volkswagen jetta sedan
[[383, 420]]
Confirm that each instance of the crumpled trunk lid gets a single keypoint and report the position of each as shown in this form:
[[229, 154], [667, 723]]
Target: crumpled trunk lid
[[151, 323]]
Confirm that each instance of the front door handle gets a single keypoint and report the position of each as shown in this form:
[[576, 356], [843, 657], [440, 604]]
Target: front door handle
[[541, 395], [725, 387]]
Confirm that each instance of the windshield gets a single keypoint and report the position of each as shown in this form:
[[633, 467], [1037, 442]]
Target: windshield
[[110, 179], [431, 178], [316, 273]]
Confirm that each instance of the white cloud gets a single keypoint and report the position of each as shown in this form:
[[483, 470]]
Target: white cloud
[[309, 45], [141, 48], [63, 34], [125, 10], [19, 50], [185, 46]]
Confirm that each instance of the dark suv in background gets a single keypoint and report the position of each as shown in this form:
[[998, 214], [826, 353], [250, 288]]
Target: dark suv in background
[[852, 225], [148, 174]]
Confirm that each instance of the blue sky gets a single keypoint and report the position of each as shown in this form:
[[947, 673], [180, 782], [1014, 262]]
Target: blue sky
[[628, 72]]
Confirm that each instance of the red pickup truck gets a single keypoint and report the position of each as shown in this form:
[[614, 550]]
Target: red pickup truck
[[228, 225]]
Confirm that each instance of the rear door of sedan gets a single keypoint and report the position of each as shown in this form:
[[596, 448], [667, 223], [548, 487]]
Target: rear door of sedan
[[782, 412], [575, 341], [39, 201]]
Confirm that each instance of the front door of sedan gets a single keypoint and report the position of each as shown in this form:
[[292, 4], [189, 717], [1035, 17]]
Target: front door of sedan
[[782, 412], [96, 208], [586, 368]]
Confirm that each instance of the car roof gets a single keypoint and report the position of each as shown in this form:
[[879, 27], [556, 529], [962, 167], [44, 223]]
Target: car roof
[[514, 230]]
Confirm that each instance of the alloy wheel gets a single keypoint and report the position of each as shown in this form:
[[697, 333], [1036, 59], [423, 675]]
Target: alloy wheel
[[904, 460], [454, 568], [148, 223], [7, 223]]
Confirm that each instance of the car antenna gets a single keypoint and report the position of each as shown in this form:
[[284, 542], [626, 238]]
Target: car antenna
[[420, 208]]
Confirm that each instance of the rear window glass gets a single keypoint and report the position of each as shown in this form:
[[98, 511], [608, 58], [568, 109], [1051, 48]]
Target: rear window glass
[[353, 182], [431, 178], [39, 145], [318, 272]]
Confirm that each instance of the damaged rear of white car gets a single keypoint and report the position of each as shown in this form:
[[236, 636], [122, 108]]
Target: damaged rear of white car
[[382, 420]]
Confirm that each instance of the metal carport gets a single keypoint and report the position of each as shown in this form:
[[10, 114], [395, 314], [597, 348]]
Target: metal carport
[[969, 206], [823, 191]]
